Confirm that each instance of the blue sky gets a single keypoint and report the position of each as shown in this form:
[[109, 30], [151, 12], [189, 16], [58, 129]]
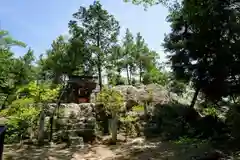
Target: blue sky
[[38, 23]]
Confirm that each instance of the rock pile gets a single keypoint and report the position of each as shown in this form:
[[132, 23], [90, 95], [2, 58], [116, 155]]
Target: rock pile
[[75, 121], [137, 95]]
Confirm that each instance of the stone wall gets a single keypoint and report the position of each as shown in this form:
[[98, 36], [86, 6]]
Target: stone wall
[[75, 120]]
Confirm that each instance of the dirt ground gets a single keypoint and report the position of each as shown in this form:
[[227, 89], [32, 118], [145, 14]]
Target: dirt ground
[[134, 149]]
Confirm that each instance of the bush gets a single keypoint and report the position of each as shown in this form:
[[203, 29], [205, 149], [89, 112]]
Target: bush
[[120, 81], [22, 115], [173, 120], [189, 141], [129, 124], [177, 87], [138, 108], [113, 103], [233, 121], [111, 100], [114, 79], [155, 76], [210, 111]]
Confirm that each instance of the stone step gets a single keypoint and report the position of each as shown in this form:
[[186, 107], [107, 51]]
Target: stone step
[[76, 141]]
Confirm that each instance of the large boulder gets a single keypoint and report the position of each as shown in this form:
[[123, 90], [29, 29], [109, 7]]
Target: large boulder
[[159, 93], [78, 120], [140, 94], [130, 94]]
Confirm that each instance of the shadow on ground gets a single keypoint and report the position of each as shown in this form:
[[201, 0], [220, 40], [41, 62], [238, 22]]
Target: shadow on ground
[[135, 149], [30, 152], [158, 150]]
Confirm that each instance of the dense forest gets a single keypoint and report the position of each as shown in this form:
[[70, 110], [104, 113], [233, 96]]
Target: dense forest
[[202, 50]]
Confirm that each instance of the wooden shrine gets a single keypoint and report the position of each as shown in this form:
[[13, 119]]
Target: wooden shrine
[[79, 89]]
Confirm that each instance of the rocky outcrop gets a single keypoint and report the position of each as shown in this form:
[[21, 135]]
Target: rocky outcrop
[[76, 120], [140, 94]]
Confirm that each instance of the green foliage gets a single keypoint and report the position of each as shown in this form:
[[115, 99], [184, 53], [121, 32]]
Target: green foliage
[[233, 121], [22, 114], [6, 41], [129, 125], [111, 99], [6, 78], [23, 69], [39, 92], [190, 141], [101, 30], [210, 111], [66, 57], [199, 51], [171, 121], [127, 55], [155, 76], [13, 71], [138, 108], [114, 79], [133, 56], [176, 86], [147, 3]]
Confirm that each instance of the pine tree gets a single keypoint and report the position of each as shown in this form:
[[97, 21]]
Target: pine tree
[[101, 30]]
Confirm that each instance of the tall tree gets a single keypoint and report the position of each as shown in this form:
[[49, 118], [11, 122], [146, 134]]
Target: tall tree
[[147, 3], [23, 68], [78, 47], [6, 41], [9, 71], [206, 52], [115, 65], [128, 52], [57, 62], [145, 59], [101, 30]]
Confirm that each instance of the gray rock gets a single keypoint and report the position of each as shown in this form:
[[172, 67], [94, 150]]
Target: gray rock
[[76, 141], [76, 120], [134, 95]]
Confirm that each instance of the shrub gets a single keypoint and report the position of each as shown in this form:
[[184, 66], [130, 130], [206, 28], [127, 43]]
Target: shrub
[[172, 120], [129, 125], [210, 111], [22, 115], [177, 87], [233, 121], [112, 102], [189, 141], [114, 79], [111, 99], [138, 108], [155, 76], [39, 92]]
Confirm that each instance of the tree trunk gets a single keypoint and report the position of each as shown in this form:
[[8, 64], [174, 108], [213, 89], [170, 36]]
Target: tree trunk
[[56, 79], [113, 128], [41, 128], [146, 110], [119, 72], [99, 72], [194, 97], [233, 99], [51, 128], [140, 73], [128, 77], [31, 130], [99, 63]]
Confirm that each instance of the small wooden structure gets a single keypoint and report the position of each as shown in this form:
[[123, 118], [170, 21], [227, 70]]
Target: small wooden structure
[[79, 89]]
